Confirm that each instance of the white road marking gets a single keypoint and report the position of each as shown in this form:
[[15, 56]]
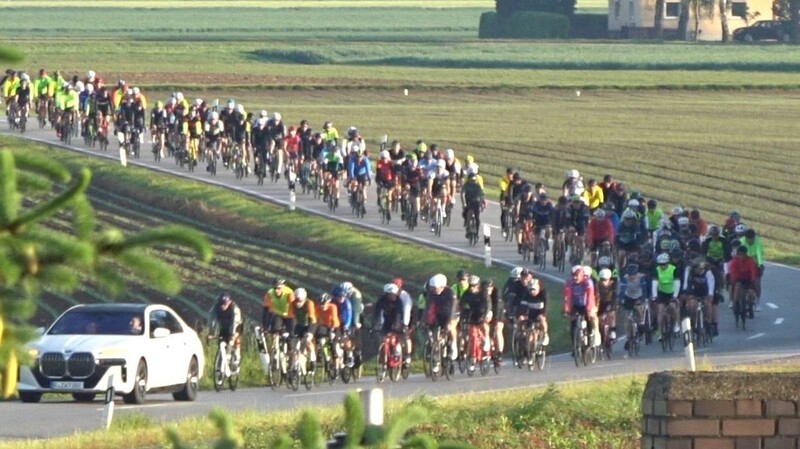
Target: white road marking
[[478, 378], [778, 320], [134, 407], [758, 335], [772, 305]]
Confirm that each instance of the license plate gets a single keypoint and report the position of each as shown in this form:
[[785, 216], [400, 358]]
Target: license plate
[[66, 385]]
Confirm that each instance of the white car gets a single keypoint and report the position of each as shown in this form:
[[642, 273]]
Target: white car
[[147, 349]]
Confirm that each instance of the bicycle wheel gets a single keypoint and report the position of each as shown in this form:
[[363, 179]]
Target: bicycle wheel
[[346, 374], [293, 378], [428, 362], [461, 360], [590, 355], [380, 364], [219, 376], [275, 375], [319, 372], [541, 253], [233, 380], [631, 338], [577, 346], [541, 352], [666, 330], [405, 371]]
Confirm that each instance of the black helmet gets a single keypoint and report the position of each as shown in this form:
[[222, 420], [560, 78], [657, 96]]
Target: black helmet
[[278, 282], [462, 275], [223, 297], [632, 268], [651, 204]]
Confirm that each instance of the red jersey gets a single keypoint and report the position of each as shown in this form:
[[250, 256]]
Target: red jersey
[[742, 269], [599, 230], [579, 294], [293, 144], [383, 171]]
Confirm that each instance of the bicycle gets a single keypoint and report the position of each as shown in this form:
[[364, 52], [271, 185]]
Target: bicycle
[[298, 366], [357, 201], [384, 206], [472, 227], [701, 332], [158, 144], [435, 358], [333, 201], [12, 115], [448, 212], [226, 366], [278, 366], [575, 247], [261, 168], [351, 369], [559, 252], [411, 211], [238, 162], [526, 240], [508, 224], [23, 119], [477, 353], [90, 136], [667, 335], [41, 112], [584, 352], [744, 297], [213, 155], [329, 357], [607, 344], [633, 336], [389, 359], [135, 142], [540, 249]]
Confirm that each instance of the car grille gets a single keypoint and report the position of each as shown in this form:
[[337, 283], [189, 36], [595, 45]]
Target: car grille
[[80, 364]]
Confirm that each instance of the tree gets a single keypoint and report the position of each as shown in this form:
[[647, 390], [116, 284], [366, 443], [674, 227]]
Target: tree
[[789, 10], [724, 7], [34, 188], [658, 20]]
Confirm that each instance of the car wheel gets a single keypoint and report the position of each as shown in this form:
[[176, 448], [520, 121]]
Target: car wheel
[[189, 391], [137, 395], [84, 397], [30, 396], [748, 37]]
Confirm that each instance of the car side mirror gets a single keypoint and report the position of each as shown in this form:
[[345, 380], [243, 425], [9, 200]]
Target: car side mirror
[[40, 331], [161, 332]]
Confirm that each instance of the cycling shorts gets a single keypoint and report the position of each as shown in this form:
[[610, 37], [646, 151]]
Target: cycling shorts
[[663, 298], [596, 243], [363, 179], [631, 246], [280, 324], [532, 315], [605, 307], [628, 303], [301, 330]]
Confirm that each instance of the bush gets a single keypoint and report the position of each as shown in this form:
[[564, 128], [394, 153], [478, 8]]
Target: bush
[[589, 26], [489, 25], [535, 25], [507, 8]]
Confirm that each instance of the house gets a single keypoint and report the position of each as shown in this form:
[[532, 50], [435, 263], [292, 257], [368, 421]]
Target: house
[[635, 18]]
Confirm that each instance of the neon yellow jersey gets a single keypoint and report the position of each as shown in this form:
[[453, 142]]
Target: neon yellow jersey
[[331, 134], [504, 182]]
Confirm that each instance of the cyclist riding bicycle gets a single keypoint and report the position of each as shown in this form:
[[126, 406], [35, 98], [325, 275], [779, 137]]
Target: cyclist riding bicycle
[[475, 308], [225, 322], [277, 302], [441, 310], [633, 290], [391, 316], [437, 188], [579, 298], [384, 176], [629, 236], [699, 282], [578, 219], [665, 287], [328, 320], [303, 315], [755, 249], [351, 310], [742, 273], [543, 216], [599, 230], [334, 164], [606, 290], [532, 308], [214, 132], [473, 199]]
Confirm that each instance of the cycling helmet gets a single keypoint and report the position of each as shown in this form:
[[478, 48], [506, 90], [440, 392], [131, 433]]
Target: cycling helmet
[[750, 233], [136, 91], [121, 83], [741, 250], [263, 113], [300, 294], [398, 282], [677, 210], [734, 214], [352, 132], [662, 258], [587, 270], [633, 203], [223, 297], [450, 154], [231, 104], [79, 86], [740, 228], [240, 108], [438, 281], [628, 214], [693, 245], [604, 274], [515, 272], [89, 88], [604, 261], [713, 230], [699, 262], [262, 121], [576, 268], [25, 77], [391, 289], [69, 87], [461, 274], [441, 163], [347, 287], [635, 195], [474, 280], [651, 204], [665, 244], [325, 298], [197, 101], [412, 157], [472, 170], [215, 115], [327, 125], [278, 282], [276, 116], [572, 174], [337, 292], [385, 154], [179, 96], [159, 104], [470, 159], [632, 269], [683, 221], [599, 213], [90, 74], [676, 253]]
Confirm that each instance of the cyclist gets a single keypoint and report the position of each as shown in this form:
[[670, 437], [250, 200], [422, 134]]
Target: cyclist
[[475, 308], [543, 216], [454, 168], [497, 309], [532, 308], [330, 134], [665, 288], [277, 302], [355, 299], [334, 164], [359, 172], [578, 213], [437, 188], [158, 127], [473, 199], [629, 236], [461, 285], [328, 320], [9, 85], [306, 140], [699, 283], [390, 314], [261, 144], [655, 218], [303, 316], [293, 149], [441, 310], [524, 212], [579, 298], [23, 96], [512, 289], [412, 180], [598, 231], [225, 321], [729, 228], [505, 183], [742, 273], [214, 132], [632, 289], [384, 177], [607, 301], [408, 305], [594, 195], [755, 249]]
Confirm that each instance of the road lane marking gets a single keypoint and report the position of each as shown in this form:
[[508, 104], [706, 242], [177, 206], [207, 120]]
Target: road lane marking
[[772, 306], [758, 335], [778, 320], [477, 378]]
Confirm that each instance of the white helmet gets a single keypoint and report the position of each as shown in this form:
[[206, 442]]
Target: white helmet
[[604, 274], [438, 281], [179, 96], [198, 101], [129, 92], [740, 228], [587, 270], [90, 88], [346, 287], [215, 115], [471, 170], [662, 258], [136, 91], [79, 86], [604, 261], [262, 121], [391, 289], [516, 272], [240, 108], [231, 104], [263, 113], [25, 77], [683, 221], [300, 294], [572, 174], [677, 210], [276, 116], [385, 154], [600, 213], [633, 203], [441, 163], [576, 269], [628, 213], [450, 154], [90, 74]]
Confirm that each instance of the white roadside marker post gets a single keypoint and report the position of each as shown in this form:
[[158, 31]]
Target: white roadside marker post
[[688, 345]]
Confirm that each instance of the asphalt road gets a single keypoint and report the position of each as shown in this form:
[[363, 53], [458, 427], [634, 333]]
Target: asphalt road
[[773, 334]]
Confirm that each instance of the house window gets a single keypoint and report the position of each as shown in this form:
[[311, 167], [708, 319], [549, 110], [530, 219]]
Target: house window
[[630, 10], [673, 9], [616, 9], [739, 9]]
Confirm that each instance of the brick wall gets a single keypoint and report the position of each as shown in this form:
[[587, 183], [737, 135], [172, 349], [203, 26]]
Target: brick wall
[[721, 411]]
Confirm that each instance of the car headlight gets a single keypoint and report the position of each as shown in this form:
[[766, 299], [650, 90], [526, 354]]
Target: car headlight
[[33, 352], [112, 351]]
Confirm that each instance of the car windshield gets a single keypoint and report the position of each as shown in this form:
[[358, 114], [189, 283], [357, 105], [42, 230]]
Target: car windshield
[[98, 322]]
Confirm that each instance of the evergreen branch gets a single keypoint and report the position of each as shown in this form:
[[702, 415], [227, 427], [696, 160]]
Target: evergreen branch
[[398, 426], [354, 421], [310, 433], [83, 218], [9, 207], [54, 205], [281, 442], [420, 442], [42, 165], [154, 271], [29, 182], [108, 277], [169, 235], [58, 277]]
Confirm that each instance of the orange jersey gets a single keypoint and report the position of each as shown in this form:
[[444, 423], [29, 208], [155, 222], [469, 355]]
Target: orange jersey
[[329, 316]]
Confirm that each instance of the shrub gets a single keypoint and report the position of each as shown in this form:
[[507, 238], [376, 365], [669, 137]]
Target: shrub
[[589, 26], [536, 25], [489, 25], [507, 8]]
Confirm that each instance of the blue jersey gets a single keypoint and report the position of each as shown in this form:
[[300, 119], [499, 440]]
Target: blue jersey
[[345, 309]]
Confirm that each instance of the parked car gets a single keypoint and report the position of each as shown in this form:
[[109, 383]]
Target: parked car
[[779, 30], [146, 348]]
